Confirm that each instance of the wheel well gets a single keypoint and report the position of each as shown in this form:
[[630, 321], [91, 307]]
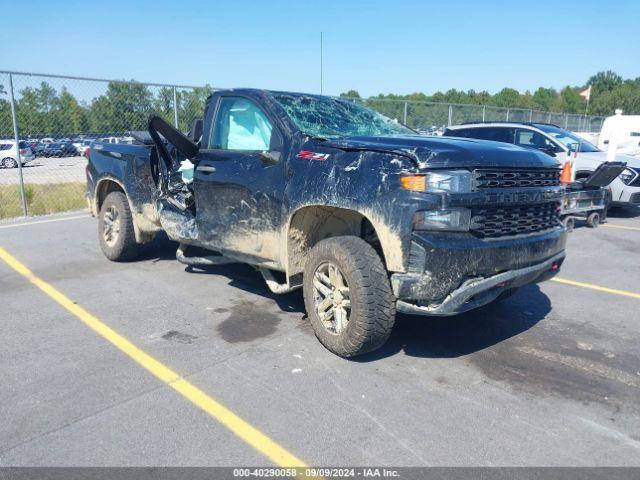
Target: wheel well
[[311, 224], [105, 187]]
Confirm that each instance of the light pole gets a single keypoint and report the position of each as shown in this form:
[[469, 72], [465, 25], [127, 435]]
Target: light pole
[[321, 65]]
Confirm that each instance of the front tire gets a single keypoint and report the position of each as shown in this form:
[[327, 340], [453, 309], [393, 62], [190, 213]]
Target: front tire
[[115, 229], [347, 296]]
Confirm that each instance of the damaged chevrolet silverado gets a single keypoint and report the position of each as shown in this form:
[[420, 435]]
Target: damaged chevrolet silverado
[[324, 194]]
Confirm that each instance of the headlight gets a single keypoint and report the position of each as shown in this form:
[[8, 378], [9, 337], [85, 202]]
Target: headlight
[[454, 181], [627, 176], [456, 220]]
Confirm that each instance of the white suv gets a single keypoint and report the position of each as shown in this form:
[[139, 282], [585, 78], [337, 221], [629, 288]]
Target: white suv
[[83, 145], [9, 153], [558, 142]]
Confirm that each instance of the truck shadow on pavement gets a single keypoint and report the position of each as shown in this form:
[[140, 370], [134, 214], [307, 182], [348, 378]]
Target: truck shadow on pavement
[[248, 279], [241, 276], [428, 337], [624, 212], [450, 337], [160, 249]]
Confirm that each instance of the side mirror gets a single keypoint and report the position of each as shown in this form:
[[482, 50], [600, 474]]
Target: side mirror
[[270, 158]]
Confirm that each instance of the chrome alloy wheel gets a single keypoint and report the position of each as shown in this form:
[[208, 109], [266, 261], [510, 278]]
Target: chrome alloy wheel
[[111, 226], [331, 297], [9, 163]]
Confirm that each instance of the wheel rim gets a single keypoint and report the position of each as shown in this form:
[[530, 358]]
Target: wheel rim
[[9, 163], [111, 226], [331, 297]]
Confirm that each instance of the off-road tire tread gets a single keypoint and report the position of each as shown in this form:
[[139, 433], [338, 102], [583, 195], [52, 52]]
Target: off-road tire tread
[[372, 301], [126, 248]]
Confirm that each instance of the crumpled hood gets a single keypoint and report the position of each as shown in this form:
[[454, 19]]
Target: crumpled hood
[[448, 152]]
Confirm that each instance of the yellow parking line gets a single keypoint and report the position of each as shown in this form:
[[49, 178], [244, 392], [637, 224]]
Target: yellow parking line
[[24, 224], [251, 435], [591, 286], [622, 227]]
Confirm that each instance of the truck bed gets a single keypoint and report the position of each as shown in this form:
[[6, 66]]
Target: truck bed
[[131, 168]]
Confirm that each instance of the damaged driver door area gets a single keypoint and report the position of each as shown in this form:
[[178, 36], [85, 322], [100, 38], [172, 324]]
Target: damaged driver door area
[[174, 196], [239, 181]]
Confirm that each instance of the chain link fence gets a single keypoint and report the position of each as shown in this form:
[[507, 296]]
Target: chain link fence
[[55, 118], [48, 121], [433, 118]]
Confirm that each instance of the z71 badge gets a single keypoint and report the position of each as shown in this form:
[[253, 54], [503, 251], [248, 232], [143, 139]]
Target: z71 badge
[[313, 155]]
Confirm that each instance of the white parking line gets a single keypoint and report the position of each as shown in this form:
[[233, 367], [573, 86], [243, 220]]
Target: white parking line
[[25, 224]]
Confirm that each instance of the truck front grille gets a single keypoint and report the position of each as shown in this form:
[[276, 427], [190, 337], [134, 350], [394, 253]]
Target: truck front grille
[[505, 221], [521, 178]]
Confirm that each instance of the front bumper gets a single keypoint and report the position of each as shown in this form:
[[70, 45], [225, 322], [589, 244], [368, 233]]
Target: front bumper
[[478, 292], [449, 274], [629, 196]]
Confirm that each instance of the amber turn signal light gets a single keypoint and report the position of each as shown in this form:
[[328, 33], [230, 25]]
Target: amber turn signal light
[[417, 183]]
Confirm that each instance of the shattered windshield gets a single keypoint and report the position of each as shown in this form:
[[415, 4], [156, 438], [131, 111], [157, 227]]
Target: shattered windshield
[[329, 117]]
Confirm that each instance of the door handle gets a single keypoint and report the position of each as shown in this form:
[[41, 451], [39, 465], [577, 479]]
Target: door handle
[[206, 169]]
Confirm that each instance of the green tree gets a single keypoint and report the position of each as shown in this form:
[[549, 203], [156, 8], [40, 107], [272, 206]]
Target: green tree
[[507, 97], [545, 99], [604, 81], [6, 125], [571, 101], [31, 119], [609, 91], [191, 104], [123, 107], [46, 97], [625, 96], [71, 117], [350, 94], [163, 103]]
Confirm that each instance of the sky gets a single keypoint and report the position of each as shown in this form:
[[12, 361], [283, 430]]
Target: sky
[[373, 47]]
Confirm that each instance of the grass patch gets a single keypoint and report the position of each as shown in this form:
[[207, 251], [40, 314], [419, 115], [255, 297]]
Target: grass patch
[[42, 198]]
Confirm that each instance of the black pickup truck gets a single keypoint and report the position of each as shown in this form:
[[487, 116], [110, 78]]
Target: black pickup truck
[[325, 194]]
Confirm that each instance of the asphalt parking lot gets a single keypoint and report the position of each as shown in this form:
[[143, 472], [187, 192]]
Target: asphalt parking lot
[[47, 170], [549, 377]]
